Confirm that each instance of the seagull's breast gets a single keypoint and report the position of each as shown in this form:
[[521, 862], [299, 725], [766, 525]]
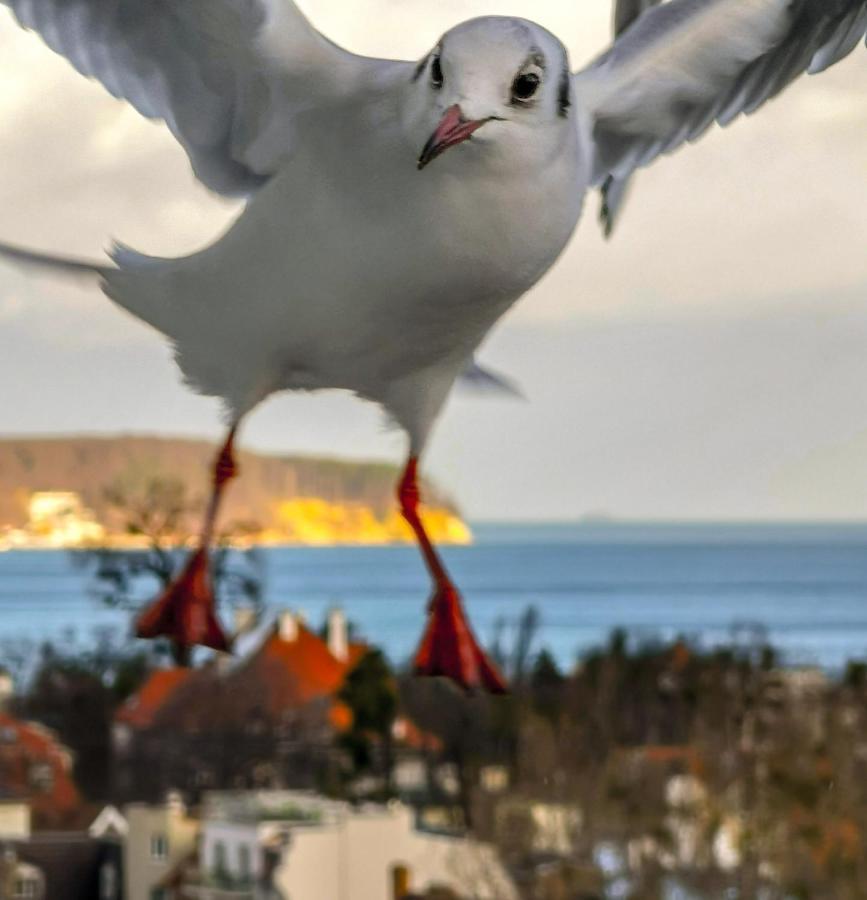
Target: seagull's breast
[[351, 268]]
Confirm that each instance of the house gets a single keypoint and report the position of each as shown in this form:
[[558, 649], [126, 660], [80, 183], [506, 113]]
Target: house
[[61, 865], [72, 866], [37, 770], [298, 666], [19, 880], [258, 845], [140, 710], [266, 715], [159, 838], [293, 665], [14, 820]]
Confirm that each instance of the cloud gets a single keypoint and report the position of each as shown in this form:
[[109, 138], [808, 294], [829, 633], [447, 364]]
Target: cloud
[[747, 413]]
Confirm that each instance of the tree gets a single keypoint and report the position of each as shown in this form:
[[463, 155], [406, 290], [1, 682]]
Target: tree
[[528, 626], [546, 685], [75, 691], [370, 692], [162, 514]]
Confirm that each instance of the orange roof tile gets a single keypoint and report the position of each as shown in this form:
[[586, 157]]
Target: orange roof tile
[[307, 664], [141, 708], [282, 674]]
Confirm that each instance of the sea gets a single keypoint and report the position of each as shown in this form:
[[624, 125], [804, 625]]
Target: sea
[[800, 588]]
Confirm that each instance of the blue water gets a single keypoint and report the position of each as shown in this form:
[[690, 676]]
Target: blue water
[[805, 585]]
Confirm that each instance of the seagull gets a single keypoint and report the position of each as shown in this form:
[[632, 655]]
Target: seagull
[[395, 210]]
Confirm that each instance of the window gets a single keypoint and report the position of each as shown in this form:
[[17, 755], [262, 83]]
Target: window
[[219, 857], [41, 777], [26, 889], [244, 864], [159, 847], [108, 882]]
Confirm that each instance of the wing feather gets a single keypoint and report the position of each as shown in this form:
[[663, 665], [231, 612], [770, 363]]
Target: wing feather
[[224, 75], [615, 191], [686, 64]]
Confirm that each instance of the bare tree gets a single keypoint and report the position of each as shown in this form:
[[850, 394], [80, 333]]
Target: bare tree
[[160, 514]]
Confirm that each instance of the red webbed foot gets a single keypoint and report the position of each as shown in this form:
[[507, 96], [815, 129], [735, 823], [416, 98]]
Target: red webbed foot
[[186, 611], [449, 648]]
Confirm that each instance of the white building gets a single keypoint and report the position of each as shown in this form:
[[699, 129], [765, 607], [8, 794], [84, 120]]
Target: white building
[[299, 846], [60, 519], [19, 880], [158, 839], [14, 820]]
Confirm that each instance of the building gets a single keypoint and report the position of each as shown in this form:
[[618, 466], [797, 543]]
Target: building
[[37, 770], [139, 712], [294, 666], [60, 865], [265, 845], [60, 519], [19, 880], [159, 839], [14, 820], [267, 715]]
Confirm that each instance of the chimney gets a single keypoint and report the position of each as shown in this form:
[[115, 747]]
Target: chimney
[[7, 688], [175, 805], [245, 620], [288, 627], [338, 637]]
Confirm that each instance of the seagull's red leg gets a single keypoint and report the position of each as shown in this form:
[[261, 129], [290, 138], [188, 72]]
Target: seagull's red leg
[[448, 647], [186, 611]]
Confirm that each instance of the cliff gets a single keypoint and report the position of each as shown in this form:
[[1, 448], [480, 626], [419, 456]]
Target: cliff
[[291, 498]]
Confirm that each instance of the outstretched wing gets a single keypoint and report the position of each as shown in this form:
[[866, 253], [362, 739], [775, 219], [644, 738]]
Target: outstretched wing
[[627, 11], [615, 190], [686, 64], [229, 77]]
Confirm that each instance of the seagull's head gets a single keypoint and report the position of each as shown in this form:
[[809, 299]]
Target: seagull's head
[[500, 84]]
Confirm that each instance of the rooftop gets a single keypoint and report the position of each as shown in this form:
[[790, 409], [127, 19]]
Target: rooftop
[[283, 667], [35, 766], [140, 709]]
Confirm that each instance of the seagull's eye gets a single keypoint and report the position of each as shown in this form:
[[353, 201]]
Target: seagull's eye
[[436, 73], [525, 86]]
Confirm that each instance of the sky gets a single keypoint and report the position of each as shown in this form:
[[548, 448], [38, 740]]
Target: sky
[[707, 363]]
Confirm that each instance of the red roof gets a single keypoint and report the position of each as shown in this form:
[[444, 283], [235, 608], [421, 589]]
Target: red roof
[[35, 768], [303, 669], [306, 662], [281, 675], [140, 709]]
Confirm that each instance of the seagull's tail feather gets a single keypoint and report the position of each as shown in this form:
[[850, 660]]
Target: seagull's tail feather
[[139, 284], [66, 267], [132, 282]]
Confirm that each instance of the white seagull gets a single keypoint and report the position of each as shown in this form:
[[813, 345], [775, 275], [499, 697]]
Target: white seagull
[[362, 260]]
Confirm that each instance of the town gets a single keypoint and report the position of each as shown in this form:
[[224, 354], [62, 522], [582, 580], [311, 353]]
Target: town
[[304, 766]]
